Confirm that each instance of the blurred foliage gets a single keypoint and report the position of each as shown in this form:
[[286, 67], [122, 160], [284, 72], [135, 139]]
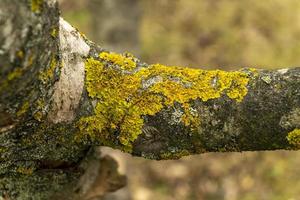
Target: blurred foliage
[[225, 34], [222, 32]]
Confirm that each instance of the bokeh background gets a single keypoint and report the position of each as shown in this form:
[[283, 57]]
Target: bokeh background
[[224, 34]]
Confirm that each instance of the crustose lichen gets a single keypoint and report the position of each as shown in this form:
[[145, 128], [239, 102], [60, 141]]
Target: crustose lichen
[[293, 137], [122, 99]]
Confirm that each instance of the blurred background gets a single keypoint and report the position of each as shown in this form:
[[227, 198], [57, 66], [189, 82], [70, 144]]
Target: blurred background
[[224, 34]]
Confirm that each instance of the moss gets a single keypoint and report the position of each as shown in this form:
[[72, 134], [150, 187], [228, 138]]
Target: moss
[[125, 97], [36, 5], [48, 74], [23, 109], [293, 137]]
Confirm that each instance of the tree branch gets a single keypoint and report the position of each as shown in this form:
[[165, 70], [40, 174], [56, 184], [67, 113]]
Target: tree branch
[[61, 95]]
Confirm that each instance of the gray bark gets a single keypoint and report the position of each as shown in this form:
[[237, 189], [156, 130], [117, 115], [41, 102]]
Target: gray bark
[[38, 158], [50, 118]]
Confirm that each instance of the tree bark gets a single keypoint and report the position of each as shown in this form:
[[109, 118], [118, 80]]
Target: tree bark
[[61, 95]]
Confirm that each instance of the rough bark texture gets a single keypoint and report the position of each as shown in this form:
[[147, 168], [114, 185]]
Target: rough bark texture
[[61, 95], [39, 158]]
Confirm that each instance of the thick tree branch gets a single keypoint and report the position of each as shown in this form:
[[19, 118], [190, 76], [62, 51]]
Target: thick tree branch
[[61, 95]]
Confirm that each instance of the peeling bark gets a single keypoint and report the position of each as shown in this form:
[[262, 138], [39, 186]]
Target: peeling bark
[[56, 84], [71, 81]]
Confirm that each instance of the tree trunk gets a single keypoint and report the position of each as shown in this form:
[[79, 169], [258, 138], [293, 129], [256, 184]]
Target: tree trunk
[[61, 95]]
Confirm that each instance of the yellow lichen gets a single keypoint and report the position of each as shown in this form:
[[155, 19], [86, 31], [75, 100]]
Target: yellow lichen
[[25, 170], [3, 149], [36, 6], [40, 106], [126, 61], [124, 98], [293, 137], [16, 73], [54, 32], [20, 54], [23, 109], [83, 36], [48, 74], [30, 61], [38, 116]]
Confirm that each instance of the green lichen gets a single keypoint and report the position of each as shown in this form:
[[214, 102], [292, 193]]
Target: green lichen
[[293, 137], [123, 97], [36, 5]]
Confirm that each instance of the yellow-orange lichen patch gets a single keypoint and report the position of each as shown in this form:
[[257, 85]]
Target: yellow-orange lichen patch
[[125, 61], [124, 98], [293, 137]]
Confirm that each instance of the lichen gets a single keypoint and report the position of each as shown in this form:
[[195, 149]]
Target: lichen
[[15, 74], [174, 155], [30, 61], [36, 5], [20, 54], [123, 99], [3, 149], [39, 113], [25, 170], [23, 109], [126, 61], [48, 74], [293, 137], [54, 32]]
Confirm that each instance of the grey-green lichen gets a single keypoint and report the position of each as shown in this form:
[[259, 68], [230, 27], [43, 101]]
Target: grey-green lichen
[[117, 83]]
